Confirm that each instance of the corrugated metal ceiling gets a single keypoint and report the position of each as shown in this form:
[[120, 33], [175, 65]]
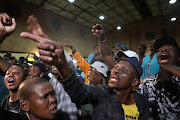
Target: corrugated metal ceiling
[[116, 12]]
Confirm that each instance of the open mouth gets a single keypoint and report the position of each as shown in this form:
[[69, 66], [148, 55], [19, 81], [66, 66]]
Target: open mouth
[[54, 110], [11, 82], [164, 58], [113, 78]]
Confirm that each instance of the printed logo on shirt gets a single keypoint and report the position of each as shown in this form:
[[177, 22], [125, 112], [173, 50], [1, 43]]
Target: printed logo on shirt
[[129, 117]]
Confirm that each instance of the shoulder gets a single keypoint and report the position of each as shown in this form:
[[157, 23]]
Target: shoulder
[[92, 55], [150, 79], [105, 89], [146, 57], [138, 95], [6, 98], [140, 99]]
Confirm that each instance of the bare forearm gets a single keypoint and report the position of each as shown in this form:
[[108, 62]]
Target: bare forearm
[[106, 52], [174, 69]]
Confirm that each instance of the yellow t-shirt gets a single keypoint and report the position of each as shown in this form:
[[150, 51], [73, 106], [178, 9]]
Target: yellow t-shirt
[[130, 112]]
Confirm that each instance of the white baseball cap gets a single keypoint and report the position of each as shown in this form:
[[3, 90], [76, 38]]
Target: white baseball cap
[[100, 67], [128, 53]]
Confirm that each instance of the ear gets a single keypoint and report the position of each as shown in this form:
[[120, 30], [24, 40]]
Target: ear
[[135, 82], [41, 74], [24, 105]]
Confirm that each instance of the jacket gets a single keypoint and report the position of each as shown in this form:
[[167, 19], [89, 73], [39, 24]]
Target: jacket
[[82, 63], [106, 105]]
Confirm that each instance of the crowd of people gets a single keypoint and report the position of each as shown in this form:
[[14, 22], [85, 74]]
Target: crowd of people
[[119, 84]]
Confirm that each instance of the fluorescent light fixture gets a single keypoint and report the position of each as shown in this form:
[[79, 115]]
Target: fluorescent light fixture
[[118, 27], [172, 1], [71, 1], [173, 19], [101, 17]]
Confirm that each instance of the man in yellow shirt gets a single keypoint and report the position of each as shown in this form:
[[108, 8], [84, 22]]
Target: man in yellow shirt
[[130, 112]]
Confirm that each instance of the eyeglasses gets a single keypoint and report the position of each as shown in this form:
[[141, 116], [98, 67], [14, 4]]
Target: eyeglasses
[[166, 50]]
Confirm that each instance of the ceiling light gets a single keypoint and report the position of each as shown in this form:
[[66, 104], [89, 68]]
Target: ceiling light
[[71, 1], [172, 1], [101, 17], [118, 27], [173, 19]]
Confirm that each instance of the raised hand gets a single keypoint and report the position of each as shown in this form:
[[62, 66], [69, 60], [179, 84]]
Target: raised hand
[[7, 26], [34, 27], [50, 52], [68, 44], [98, 31]]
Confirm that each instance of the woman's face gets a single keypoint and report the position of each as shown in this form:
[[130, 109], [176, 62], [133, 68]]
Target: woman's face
[[35, 72], [43, 103], [13, 78]]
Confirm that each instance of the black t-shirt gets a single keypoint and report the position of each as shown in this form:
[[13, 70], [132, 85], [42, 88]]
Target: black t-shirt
[[7, 115], [11, 106]]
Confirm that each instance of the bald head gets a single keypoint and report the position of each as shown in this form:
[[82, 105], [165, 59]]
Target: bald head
[[27, 86]]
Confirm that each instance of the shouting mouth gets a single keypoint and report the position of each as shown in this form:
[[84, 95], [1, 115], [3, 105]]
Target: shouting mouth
[[113, 78], [11, 82], [164, 59], [54, 110]]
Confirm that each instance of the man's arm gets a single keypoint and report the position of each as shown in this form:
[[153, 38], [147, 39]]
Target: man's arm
[[98, 31], [174, 69], [7, 26], [81, 62], [53, 53], [35, 28]]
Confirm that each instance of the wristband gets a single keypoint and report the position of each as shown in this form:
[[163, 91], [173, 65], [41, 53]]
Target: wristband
[[102, 39]]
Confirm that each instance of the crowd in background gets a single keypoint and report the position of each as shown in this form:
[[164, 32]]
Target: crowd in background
[[113, 84]]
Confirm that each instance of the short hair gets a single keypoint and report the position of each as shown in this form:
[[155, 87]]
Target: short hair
[[41, 67], [95, 46], [21, 58], [165, 40], [22, 70], [142, 45], [26, 87]]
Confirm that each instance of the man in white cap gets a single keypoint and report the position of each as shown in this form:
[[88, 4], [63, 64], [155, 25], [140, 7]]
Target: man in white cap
[[94, 76], [94, 73]]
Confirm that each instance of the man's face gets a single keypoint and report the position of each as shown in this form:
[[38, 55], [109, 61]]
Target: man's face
[[54, 70], [43, 103], [96, 50], [34, 71], [13, 77], [95, 77], [122, 75], [141, 50], [168, 54]]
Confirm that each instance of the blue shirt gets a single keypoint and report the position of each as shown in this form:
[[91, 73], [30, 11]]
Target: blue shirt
[[150, 66], [90, 58]]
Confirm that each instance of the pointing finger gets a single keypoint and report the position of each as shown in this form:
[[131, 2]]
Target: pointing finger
[[35, 37]]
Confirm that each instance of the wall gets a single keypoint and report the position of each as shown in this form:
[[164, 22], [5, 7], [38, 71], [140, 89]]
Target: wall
[[59, 28], [135, 33], [56, 27]]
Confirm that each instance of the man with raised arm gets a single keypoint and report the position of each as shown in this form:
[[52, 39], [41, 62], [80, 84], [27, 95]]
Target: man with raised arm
[[113, 102]]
